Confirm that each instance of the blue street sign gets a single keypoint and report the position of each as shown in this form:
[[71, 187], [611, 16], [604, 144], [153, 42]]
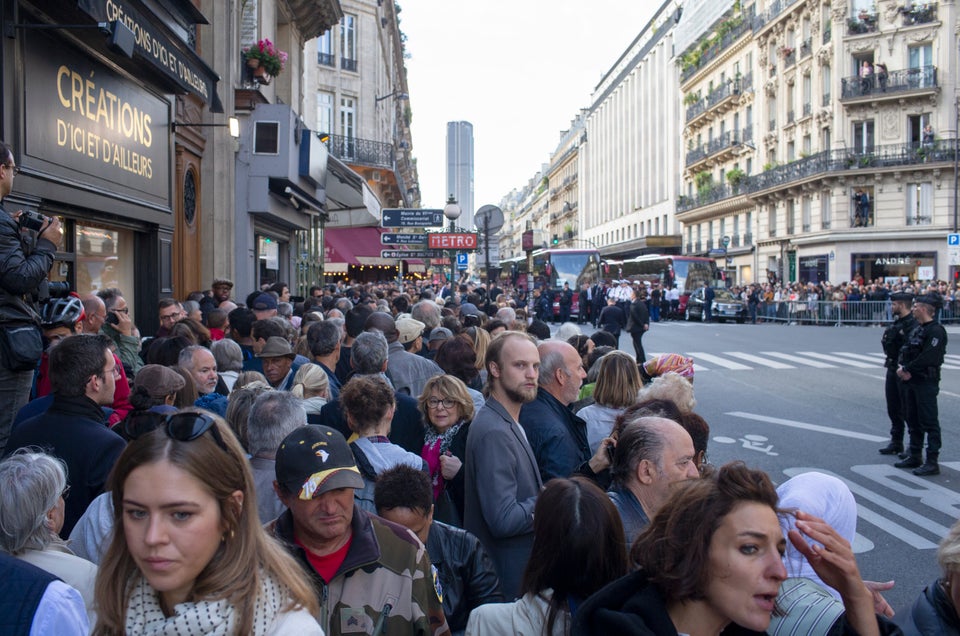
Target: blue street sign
[[411, 217], [461, 261], [953, 239]]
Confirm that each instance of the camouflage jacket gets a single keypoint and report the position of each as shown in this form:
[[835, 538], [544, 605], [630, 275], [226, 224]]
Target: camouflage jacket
[[386, 576]]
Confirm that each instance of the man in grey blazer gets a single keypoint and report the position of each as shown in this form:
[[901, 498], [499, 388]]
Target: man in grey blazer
[[502, 478]]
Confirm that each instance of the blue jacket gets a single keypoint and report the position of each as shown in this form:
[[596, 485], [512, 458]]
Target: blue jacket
[[21, 588], [557, 436]]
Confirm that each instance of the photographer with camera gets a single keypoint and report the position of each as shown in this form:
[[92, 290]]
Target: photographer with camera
[[119, 327], [28, 242]]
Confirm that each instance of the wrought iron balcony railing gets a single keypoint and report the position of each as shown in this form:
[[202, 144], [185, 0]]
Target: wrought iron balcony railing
[[919, 14], [829, 161], [364, 152], [864, 22], [347, 64], [742, 24], [893, 82], [326, 59]]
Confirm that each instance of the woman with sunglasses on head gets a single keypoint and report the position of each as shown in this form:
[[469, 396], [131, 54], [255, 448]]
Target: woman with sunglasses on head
[[188, 554], [447, 409]]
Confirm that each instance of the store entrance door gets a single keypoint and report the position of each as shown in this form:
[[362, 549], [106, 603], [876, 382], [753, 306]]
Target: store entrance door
[[187, 238]]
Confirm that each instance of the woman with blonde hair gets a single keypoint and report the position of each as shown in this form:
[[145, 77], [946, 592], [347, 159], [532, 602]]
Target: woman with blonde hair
[[313, 386], [447, 409], [481, 340], [618, 384], [188, 554]]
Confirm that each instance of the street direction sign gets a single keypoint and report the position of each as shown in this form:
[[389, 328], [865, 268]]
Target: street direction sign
[[451, 241], [411, 217], [404, 254], [397, 238]]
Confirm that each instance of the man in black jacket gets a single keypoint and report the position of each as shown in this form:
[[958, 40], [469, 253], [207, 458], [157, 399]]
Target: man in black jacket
[[638, 324], [83, 376], [25, 259], [464, 574], [893, 339]]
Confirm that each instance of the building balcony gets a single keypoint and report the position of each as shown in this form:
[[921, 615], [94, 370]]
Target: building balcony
[[895, 85], [789, 58], [720, 99], [806, 48], [919, 14], [348, 65], [769, 16], [326, 59], [864, 22], [363, 152], [696, 58], [829, 163], [717, 148]]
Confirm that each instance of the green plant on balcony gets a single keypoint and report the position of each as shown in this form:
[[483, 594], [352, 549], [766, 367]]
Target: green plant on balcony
[[691, 98], [735, 177], [704, 182], [770, 165]]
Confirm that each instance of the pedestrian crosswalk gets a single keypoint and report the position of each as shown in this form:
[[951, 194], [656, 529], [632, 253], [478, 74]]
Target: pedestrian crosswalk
[[749, 361]]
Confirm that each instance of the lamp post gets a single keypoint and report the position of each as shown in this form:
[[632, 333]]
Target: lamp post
[[452, 211]]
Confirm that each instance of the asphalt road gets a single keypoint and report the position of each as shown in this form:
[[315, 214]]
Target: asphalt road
[[790, 399]]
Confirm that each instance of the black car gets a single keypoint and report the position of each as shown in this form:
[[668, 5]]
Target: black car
[[726, 306]]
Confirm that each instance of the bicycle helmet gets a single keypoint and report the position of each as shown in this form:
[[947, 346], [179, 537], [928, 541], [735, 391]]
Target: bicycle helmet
[[61, 312]]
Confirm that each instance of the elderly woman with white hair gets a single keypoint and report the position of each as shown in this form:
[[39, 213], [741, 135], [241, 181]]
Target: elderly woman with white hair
[[32, 491]]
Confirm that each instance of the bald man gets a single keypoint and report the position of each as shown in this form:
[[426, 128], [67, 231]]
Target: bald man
[[557, 436]]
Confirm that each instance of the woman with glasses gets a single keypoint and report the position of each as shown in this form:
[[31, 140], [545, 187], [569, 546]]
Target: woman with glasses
[[188, 553], [447, 409], [33, 489]]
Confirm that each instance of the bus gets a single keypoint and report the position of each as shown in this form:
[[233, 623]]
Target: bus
[[686, 272], [552, 267]]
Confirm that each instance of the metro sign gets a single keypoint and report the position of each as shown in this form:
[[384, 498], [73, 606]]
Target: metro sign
[[451, 241]]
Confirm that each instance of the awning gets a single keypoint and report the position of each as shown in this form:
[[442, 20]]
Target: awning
[[161, 49], [353, 246], [349, 200]]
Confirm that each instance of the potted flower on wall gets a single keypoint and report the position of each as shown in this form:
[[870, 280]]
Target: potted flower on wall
[[265, 59]]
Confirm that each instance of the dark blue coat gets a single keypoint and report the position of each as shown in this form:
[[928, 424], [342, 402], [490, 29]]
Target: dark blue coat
[[557, 436]]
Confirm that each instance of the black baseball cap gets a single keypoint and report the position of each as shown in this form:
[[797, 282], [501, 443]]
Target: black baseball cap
[[314, 459]]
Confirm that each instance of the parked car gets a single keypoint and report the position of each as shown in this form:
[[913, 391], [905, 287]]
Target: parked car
[[726, 306]]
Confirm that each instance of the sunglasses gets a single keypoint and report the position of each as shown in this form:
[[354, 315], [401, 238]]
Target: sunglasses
[[183, 427]]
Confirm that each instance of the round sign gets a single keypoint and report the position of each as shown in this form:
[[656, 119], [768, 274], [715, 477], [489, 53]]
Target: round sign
[[726, 241]]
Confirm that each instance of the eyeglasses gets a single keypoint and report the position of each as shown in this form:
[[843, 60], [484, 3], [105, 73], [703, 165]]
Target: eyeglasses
[[125, 310], [183, 427], [10, 166], [66, 492], [446, 403]]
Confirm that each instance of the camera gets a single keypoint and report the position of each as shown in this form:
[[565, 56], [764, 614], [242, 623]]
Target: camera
[[53, 289], [32, 220]]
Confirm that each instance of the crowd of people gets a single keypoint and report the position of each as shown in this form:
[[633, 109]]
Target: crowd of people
[[406, 460]]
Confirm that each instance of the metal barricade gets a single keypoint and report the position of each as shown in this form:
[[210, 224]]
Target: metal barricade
[[842, 312]]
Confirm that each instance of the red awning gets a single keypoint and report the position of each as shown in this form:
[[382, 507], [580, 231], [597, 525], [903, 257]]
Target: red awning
[[353, 246]]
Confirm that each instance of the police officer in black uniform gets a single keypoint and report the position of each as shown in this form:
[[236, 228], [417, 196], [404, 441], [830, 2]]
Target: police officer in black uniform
[[894, 337], [920, 362]]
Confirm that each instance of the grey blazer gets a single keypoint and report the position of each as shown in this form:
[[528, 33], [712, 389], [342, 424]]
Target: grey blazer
[[502, 483]]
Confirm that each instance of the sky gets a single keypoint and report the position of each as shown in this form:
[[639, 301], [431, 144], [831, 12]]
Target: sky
[[518, 70]]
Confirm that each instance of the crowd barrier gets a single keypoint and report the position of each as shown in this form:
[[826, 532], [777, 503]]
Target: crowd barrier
[[837, 313]]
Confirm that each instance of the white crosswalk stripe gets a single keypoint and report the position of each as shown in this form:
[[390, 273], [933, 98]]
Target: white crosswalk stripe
[[832, 358], [749, 357], [717, 360], [816, 364]]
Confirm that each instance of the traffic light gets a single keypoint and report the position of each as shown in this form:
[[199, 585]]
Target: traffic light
[[556, 239]]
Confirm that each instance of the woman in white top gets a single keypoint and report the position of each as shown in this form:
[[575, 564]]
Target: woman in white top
[[618, 384], [188, 554]]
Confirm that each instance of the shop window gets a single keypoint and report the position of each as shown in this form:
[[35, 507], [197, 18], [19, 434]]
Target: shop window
[[104, 259]]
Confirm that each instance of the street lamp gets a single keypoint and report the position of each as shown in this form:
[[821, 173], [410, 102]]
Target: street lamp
[[452, 211], [397, 94]]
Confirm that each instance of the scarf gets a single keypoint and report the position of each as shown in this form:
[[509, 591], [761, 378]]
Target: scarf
[[436, 444], [207, 617]]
